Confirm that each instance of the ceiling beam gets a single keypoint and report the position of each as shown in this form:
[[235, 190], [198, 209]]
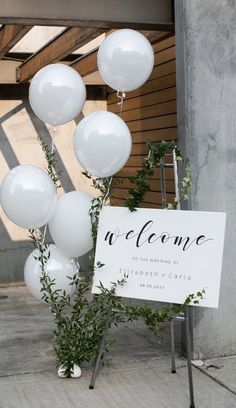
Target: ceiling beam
[[23, 56], [87, 64], [106, 14], [21, 91], [156, 36], [10, 35], [64, 44]]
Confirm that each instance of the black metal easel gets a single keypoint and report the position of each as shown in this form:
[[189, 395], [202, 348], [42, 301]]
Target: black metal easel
[[184, 318]]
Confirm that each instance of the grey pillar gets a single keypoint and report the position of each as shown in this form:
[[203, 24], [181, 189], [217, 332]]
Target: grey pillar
[[206, 94]]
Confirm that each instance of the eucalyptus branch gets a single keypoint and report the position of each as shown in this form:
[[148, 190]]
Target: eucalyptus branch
[[153, 317], [51, 163], [103, 185]]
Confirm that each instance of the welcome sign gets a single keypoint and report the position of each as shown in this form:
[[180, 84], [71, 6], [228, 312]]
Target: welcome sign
[[165, 255]]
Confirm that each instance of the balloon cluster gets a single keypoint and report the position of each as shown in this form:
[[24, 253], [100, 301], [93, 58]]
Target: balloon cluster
[[102, 145]]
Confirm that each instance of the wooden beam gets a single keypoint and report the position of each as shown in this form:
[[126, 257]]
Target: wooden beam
[[64, 44], [155, 36], [106, 14], [87, 64], [21, 91], [8, 71], [23, 56], [10, 35]]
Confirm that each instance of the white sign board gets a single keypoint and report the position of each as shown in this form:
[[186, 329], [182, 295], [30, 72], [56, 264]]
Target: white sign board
[[166, 254]]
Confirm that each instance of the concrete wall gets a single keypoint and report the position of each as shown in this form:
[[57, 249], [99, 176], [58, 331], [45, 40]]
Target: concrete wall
[[19, 128], [206, 95]]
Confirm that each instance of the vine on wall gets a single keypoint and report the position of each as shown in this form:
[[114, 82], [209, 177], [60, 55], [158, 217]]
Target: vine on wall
[[157, 152]]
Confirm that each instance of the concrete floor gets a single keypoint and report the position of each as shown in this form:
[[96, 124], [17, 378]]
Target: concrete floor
[[139, 376]]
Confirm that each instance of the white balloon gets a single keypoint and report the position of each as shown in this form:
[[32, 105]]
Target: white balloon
[[102, 143], [57, 94], [125, 60], [28, 196], [70, 226], [58, 267]]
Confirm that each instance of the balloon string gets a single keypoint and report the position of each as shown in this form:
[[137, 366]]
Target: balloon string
[[75, 262], [38, 237], [108, 191], [44, 234], [77, 266], [121, 96], [37, 242], [53, 135]]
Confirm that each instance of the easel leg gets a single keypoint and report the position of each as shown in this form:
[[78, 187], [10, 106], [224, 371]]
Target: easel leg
[[189, 356], [172, 344], [97, 364]]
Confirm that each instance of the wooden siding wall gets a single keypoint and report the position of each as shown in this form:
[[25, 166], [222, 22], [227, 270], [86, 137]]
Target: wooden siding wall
[[150, 113]]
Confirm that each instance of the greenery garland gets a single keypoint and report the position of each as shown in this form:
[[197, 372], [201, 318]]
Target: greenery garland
[[80, 321], [157, 152]]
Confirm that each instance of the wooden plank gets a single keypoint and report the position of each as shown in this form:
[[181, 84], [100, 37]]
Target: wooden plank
[[8, 71], [168, 94], [21, 91], [137, 14], [87, 64], [10, 35], [137, 161], [163, 70], [139, 149], [132, 171], [23, 56], [164, 56], [118, 202], [150, 196], [160, 122], [149, 111], [65, 43], [155, 185], [169, 81], [156, 36], [155, 135], [162, 45]]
